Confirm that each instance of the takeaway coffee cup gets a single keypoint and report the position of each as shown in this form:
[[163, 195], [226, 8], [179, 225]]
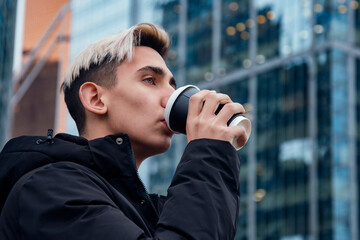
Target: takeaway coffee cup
[[177, 109]]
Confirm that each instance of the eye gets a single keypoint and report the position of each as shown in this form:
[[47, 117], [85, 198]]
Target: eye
[[173, 83], [149, 80]]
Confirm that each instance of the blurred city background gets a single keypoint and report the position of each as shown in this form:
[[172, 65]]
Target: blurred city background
[[293, 64]]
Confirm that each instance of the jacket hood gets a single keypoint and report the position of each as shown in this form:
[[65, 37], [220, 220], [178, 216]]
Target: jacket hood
[[111, 157]]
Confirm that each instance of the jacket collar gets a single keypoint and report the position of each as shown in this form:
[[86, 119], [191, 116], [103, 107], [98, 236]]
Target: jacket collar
[[111, 156]]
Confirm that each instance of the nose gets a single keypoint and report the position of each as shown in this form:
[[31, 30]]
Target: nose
[[167, 93]]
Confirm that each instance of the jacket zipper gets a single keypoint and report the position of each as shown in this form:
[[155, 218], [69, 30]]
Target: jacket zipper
[[147, 194]]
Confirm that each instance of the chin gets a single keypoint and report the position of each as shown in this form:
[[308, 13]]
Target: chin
[[150, 147], [161, 147]]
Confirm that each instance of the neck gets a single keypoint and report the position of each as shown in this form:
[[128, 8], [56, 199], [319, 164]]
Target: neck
[[91, 133], [138, 159]]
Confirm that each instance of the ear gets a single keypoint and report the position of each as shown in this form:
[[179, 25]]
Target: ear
[[90, 95]]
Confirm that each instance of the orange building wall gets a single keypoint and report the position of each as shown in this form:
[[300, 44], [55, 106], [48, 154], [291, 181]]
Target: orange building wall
[[38, 16], [36, 111]]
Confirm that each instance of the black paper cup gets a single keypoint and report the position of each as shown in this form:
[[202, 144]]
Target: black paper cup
[[177, 107]]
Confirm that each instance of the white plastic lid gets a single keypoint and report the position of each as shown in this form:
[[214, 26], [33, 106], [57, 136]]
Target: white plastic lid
[[241, 121]]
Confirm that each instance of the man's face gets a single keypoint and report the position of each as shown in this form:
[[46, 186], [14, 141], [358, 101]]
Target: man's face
[[136, 104]]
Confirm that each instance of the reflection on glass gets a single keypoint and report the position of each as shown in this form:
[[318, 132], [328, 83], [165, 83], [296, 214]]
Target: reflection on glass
[[199, 40], [333, 155], [284, 27], [355, 6], [357, 78], [239, 92], [283, 174], [170, 21], [235, 34], [339, 23]]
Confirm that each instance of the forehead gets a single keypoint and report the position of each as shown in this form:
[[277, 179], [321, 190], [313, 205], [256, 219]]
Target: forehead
[[144, 56]]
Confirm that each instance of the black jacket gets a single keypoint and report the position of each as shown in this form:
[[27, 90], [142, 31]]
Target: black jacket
[[70, 188]]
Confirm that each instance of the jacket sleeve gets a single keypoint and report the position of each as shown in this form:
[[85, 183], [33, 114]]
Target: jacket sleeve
[[203, 198]]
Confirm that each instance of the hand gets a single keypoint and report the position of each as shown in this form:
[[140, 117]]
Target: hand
[[203, 123]]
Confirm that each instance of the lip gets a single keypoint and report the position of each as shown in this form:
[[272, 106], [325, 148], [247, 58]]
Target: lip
[[166, 126]]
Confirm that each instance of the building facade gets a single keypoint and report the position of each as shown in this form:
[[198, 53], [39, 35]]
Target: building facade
[[34, 102], [7, 38], [294, 66]]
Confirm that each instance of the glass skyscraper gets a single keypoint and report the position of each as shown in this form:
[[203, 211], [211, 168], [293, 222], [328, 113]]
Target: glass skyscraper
[[7, 34], [294, 66]]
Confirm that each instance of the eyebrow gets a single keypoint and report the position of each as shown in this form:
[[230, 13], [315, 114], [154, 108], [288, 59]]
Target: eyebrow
[[158, 71]]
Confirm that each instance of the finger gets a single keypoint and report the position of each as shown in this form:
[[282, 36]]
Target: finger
[[240, 135], [229, 110], [212, 102], [196, 103]]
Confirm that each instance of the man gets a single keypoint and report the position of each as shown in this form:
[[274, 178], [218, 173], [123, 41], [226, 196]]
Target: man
[[87, 187]]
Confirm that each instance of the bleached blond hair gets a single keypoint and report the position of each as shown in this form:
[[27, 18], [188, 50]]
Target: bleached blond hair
[[117, 47], [97, 63]]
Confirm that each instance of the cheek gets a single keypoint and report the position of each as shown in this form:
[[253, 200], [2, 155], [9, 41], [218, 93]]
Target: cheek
[[133, 105], [143, 101]]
